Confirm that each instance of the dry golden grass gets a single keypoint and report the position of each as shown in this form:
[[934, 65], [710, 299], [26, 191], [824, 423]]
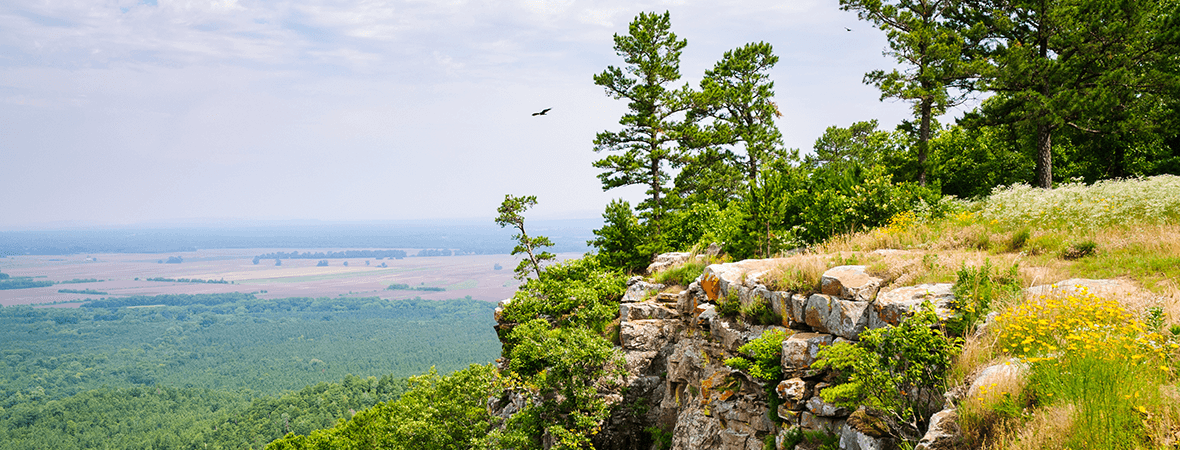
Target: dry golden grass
[[1049, 429], [798, 273]]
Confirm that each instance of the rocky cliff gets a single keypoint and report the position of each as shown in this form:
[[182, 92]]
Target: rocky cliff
[[679, 394]]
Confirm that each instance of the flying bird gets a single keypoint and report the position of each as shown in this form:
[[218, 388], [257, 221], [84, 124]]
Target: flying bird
[[847, 29], [543, 111]]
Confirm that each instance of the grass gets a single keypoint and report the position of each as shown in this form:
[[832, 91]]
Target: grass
[[681, 275], [1101, 371]]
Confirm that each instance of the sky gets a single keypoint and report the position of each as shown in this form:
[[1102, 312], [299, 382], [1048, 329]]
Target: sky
[[132, 112]]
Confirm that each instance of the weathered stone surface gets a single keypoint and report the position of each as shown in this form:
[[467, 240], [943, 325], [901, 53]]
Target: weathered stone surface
[[844, 318], [809, 421], [944, 432], [792, 390], [639, 290], [819, 407], [1009, 373], [866, 430], [499, 312], [798, 309], [642, 335], [780, 303], [666, 261], [801, 349], [706, 315], [851, 283], [644, 311], [695, 430], [790, 417], [897, 304], [1125, 291]]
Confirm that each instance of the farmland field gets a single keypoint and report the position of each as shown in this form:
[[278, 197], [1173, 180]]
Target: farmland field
[[123, 274]]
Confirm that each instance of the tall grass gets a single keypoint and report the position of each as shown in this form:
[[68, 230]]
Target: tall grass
[[1093, 354]]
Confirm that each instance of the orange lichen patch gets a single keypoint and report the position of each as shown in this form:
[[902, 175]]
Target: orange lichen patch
[[712, 286]]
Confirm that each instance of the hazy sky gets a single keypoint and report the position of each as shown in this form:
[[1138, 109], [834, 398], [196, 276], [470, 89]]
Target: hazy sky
[[126, 111]]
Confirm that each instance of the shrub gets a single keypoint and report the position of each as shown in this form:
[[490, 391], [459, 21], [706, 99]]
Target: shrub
[[1078, 250], [975, 290], [682, 275], [762, 357], [900, 370], [579, 291], [730, 305]]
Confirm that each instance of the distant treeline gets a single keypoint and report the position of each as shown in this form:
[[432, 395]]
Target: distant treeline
[[406, 287], [81, 291], [379, 254], [188, 280], [432, 252], [170, 300], [80, 280], [7, 282]]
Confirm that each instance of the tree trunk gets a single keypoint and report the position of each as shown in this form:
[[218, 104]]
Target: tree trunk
[[924, 140], [1044, 156], [657, 209]]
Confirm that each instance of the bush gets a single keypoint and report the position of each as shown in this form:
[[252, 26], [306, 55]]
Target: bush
[[762, 356], [901, 370], [576, 292], [975, 290]]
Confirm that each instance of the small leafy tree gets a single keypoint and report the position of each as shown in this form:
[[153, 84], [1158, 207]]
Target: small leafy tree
[[900, 370], [621, 239], [510, 214]]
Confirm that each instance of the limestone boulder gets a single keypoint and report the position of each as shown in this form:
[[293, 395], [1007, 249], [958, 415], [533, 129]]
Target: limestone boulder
[[944, 432], [499, 311], [645, 311], [642, 335], [665, 261], [851, 283], [639, 290], [801, 349], [867, 429], [809, 421], [794, 393], [819, 407], [798, 309], [891, 307], [844, 318], [780, 303]]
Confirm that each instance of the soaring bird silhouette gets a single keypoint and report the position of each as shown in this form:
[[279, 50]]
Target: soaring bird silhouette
[[542, 112]]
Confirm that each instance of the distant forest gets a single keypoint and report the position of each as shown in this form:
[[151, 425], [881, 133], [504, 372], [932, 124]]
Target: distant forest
[[464, 237], [224, 371]]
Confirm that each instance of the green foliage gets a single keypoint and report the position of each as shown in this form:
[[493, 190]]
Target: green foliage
[[189, 418], [622, 241], [730, 305], [662, 439], [682, 275], [435, 413], [759, 312], [819, 440], [976, 289], [762, 356], [510, 214], [1080, 249], [1086, 70], [579, 292], [894, 369], [563, 367]]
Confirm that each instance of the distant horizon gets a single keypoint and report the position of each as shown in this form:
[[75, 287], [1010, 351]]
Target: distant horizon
[[214, 223]]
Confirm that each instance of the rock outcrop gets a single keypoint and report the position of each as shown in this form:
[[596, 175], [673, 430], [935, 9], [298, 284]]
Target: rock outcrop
[[675, 346]]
